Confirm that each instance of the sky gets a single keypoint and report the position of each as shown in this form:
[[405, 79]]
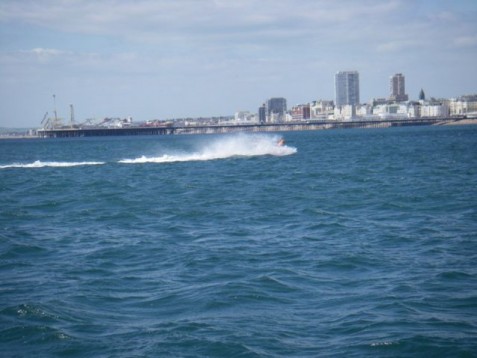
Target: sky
[[162, 59]]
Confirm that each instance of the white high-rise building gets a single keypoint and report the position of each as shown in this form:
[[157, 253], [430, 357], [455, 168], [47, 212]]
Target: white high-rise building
[[347, 88]]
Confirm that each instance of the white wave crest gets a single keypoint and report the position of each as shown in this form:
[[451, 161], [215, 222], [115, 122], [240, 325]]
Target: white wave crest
[[40, 164], [241, 145]]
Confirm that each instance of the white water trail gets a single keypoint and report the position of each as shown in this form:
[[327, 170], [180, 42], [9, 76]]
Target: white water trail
[[40, 164], [239, 145]]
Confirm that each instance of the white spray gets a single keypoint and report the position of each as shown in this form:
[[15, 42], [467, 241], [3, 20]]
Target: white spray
[[238, 145]]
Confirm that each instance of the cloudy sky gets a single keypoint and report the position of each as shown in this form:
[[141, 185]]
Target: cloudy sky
[[177, 58]]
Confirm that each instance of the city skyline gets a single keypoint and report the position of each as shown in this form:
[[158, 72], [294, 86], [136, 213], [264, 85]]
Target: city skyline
[[168, 59]]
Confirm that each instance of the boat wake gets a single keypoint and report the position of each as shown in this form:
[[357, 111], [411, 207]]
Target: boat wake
[[241, 145], [238, 145], [40, 164]]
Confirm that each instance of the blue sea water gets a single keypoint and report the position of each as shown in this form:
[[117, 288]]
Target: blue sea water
[[342, 243]]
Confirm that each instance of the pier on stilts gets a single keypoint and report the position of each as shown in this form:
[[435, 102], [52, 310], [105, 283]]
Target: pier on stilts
[[70, 132]]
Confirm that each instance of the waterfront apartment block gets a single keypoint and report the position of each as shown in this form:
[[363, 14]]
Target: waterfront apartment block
[[464, 105], [346, 88]]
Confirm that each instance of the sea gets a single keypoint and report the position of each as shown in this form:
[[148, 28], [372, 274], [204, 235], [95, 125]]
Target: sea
[[341, 243]]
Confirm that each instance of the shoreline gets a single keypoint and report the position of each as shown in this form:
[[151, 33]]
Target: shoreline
[[282, 127], [459, 122]]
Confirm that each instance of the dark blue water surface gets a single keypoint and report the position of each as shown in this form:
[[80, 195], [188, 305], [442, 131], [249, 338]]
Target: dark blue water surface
[[343, 243]]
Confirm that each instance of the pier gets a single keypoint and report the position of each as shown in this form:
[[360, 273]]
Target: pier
[[230, 128]]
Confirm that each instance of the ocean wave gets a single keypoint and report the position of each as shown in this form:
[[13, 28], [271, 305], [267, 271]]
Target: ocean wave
[[40, 164], [240, 145]]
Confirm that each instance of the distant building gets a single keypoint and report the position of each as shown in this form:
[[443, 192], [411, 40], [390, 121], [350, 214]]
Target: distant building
[[397, 86], [262, 114], [322, 109], [300, 112], [391, 111], [345, 113], [276, 109], [422, 95], [465, 105], [347, 88], [379, 101], [243, 116], [413, 109], [435, 109], [364, 111]]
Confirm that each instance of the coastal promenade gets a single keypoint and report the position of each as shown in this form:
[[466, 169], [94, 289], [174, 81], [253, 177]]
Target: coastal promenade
[[230, 128]]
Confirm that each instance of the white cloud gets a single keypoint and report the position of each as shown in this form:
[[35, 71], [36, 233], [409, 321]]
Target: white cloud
[[48, 54], [443, 16], [161, 21], [466, 41], [397, 46]]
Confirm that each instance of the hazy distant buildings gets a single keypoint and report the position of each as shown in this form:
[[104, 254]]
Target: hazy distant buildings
[[347, 88], [300, 112], [276, 109], [434, 109], [397, 86], [391, 111], [322, 109], [347, 106], [464, 105], [244, 116], [262, 114]]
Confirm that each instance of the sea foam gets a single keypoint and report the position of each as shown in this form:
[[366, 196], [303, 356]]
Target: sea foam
[[40, 164], [239, 145]]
